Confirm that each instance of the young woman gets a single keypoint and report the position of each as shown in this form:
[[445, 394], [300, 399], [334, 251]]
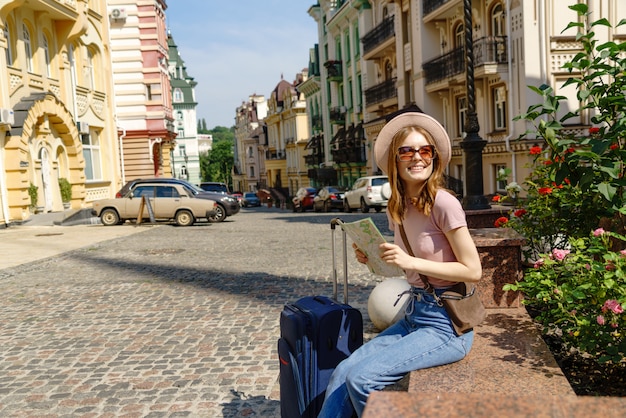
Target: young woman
[[413, 149]]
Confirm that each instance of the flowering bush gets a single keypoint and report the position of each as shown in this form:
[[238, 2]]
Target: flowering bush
[[577, 183], [580, 294]]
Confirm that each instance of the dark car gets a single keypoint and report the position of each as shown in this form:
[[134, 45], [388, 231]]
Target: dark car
[[226, 204], [250, 199], [303, 200], [329, 198]]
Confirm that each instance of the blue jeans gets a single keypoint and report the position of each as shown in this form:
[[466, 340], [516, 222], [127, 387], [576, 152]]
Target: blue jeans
[[424, 338]]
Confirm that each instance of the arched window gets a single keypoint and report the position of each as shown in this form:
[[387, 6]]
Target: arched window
[[28, 49], [459, 36], [90, 79], [498, 21], [9, 50], [178, 95], [46, 53]]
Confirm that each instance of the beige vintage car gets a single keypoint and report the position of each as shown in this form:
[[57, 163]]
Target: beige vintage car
[[159, 202]]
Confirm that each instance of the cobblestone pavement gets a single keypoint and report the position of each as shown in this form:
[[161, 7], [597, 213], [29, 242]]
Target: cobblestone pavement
[[165, 322]]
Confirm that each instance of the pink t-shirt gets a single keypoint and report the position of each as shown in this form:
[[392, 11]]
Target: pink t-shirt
[[426, 234]]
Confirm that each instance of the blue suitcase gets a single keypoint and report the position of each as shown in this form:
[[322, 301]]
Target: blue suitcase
[[316, 334]]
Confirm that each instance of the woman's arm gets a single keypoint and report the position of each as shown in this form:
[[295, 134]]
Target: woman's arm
[[467, 268]]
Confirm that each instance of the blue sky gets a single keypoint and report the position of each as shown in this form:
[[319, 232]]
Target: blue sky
[[234, 49]]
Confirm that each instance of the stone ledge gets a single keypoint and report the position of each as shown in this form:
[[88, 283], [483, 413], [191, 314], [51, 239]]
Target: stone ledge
[[508, 356], [488, 405]]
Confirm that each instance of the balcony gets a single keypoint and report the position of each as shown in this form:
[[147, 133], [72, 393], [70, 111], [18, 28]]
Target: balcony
[[275, 155], [379, 39], [348, 147], [490, 50], [334, 71], [430, 6], [381, 92], [338, 115]]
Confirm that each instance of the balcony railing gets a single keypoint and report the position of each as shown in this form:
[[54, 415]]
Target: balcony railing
[[333, 70], [381, 92], [275, 155], [379, 34], [432, 5], [487, 50], [338, 114]]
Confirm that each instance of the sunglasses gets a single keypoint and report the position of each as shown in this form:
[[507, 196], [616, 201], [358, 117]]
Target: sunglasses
[[426, 153]]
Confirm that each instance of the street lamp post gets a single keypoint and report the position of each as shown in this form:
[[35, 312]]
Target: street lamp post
[[472, 144]]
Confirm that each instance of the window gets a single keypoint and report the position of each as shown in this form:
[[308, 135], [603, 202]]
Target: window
[[498, 21], [461, 105], [46, 53], [250, 152], [499, 170], [153, 91], [178, 95], [167, 191], [499, 108], [9, 50], [89, 75], [91, 153], [348, 50], [459, 37], [28, 49], [140, 191], [251, 171]]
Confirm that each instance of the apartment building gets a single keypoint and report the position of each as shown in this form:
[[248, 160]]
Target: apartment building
[[287, 136], [185, 158], [249, 174], [144, 112], [55, 101], [413, 53]]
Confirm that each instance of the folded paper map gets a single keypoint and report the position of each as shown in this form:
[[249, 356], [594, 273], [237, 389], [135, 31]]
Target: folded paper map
[[368, 238]]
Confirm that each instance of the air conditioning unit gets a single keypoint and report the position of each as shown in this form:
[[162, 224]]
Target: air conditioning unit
[[83, 127], [7, 117], [118, 14]]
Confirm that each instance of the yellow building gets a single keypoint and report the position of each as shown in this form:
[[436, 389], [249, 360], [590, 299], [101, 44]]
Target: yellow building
[[55, 106], [287, 136]]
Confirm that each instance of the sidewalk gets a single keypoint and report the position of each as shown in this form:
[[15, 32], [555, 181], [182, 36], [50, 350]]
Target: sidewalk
[[40, 238]]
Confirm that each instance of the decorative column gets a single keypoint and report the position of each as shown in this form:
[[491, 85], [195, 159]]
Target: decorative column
[[472, 144]]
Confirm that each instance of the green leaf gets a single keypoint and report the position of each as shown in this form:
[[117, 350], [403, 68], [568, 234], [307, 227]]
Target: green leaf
[[607, 190], [603, 22]]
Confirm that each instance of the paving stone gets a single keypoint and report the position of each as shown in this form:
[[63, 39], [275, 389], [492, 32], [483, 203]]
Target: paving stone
[[164, 321]]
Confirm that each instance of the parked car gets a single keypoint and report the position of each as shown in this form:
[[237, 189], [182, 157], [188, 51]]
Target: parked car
[[250, 199], [366, 194], [328, 198], [226, 204], [163, 201], [213, 186], [303, 200]]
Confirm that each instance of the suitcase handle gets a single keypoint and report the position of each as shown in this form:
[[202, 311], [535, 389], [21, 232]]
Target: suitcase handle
[[333, 225]]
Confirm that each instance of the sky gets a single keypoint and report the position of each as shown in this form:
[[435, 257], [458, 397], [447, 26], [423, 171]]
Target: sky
[[234, 49]]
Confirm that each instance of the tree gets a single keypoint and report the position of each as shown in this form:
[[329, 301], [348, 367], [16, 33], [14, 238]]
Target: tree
[[217, 164]]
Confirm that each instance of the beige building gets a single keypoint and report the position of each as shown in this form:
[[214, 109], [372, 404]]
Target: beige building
[[55, 101], [287, 137], [249, 173], [412, 53], [144, 115]]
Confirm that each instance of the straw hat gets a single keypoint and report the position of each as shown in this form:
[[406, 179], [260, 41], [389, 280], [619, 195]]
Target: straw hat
[[422, 120]]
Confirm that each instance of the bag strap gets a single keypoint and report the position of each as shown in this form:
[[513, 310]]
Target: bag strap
[[423, 277]]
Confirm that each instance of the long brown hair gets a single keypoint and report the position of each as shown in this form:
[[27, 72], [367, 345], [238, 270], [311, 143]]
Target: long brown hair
[[398, 201]]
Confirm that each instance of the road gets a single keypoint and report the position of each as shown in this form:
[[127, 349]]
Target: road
[[160, 321]]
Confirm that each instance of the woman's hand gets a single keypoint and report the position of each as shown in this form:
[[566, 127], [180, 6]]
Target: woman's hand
[[392, 254], [360, 255]]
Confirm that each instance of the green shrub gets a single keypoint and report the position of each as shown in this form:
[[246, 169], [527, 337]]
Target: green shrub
[[33, 192], [66, 190]]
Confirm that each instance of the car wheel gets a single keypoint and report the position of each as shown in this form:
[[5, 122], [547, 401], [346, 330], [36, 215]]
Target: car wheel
[[184, 218], [327, 207], [109, 217], [346, 206], [378, 209], [220, 214], [364, 207]]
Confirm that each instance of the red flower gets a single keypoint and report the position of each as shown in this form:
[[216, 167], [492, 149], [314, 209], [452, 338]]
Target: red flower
[[614, 146], [567, 181], [545, 190], [547, 162], [536, 150], [570, 150], [496, 198], [501, 221], [519, 213], [594, 130]]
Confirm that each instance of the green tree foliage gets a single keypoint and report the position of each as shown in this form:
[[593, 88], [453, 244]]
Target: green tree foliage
[[217, 164]]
